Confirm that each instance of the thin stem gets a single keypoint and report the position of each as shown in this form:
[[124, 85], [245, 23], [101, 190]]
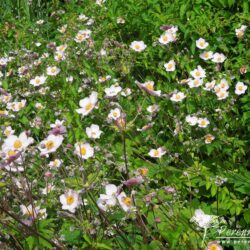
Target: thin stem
[[30, 229], [125, 153]]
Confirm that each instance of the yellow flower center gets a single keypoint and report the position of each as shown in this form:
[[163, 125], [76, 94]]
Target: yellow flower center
[[127, 201], [143, 171], [11, 153], [170, 65], [156, 153], [53, 70], [83, 151], [202, 44], [177, 97], [89, 106], [49, 145], [203, 123], [37, 81], [209, 138], [70, 199], [80, 37], [30, 212], [197, 73], [2, 112], [165, 38], [137, 46], [196, 82], [17, 144], [149, 86], [240, 88], [240, 33], [213, 247]]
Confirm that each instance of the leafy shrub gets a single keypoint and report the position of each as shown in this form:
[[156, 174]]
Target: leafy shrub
[[159, 153]]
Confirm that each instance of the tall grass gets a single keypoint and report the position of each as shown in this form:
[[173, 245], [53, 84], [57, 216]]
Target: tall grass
[[27, 9]]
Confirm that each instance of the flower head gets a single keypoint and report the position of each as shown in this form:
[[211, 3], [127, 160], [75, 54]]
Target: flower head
[[87, 104], [70, 201], [240, 88], [138, 46], [201, 43], [84, 150], [157, 153]]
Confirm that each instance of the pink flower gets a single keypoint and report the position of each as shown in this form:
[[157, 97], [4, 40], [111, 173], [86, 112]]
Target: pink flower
[[133, 181]]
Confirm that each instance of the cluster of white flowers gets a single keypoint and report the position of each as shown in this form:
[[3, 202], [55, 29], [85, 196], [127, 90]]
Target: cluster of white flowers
[[107, 201]]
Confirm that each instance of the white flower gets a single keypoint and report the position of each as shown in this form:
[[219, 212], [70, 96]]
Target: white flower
[[47, 189], [166, 38], [103, 52], [108, 200], [82, 35], [84, 150], [33, 212], [3, 61], [82, 17], [111, 190], [209, 85], [63, 28], [104, 78], [153, 108], [214, 245], [120, 20], [191, 120], [223, 84], [100, 2], [206, 55], [70, 201], [59, 56], [55, 163], [126, 92], [114, 114], [217, 89], [69, 79], [194, 83], [57, 124], [52, 71], [125, 202], [157, 153], [138, 46], [201, 219], [8, 131], [38, 105], [18, 143], [203, 122], [148, 86], [113, 90], [241, 31], [61, 48], [178, 97], [209, 138], [199, 72], [93, 131], [218, 58], [222, 94], [201, 43], [240, 88], [87, 104], [16, 106], [50, 144], [170, 66], [41, 21]]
